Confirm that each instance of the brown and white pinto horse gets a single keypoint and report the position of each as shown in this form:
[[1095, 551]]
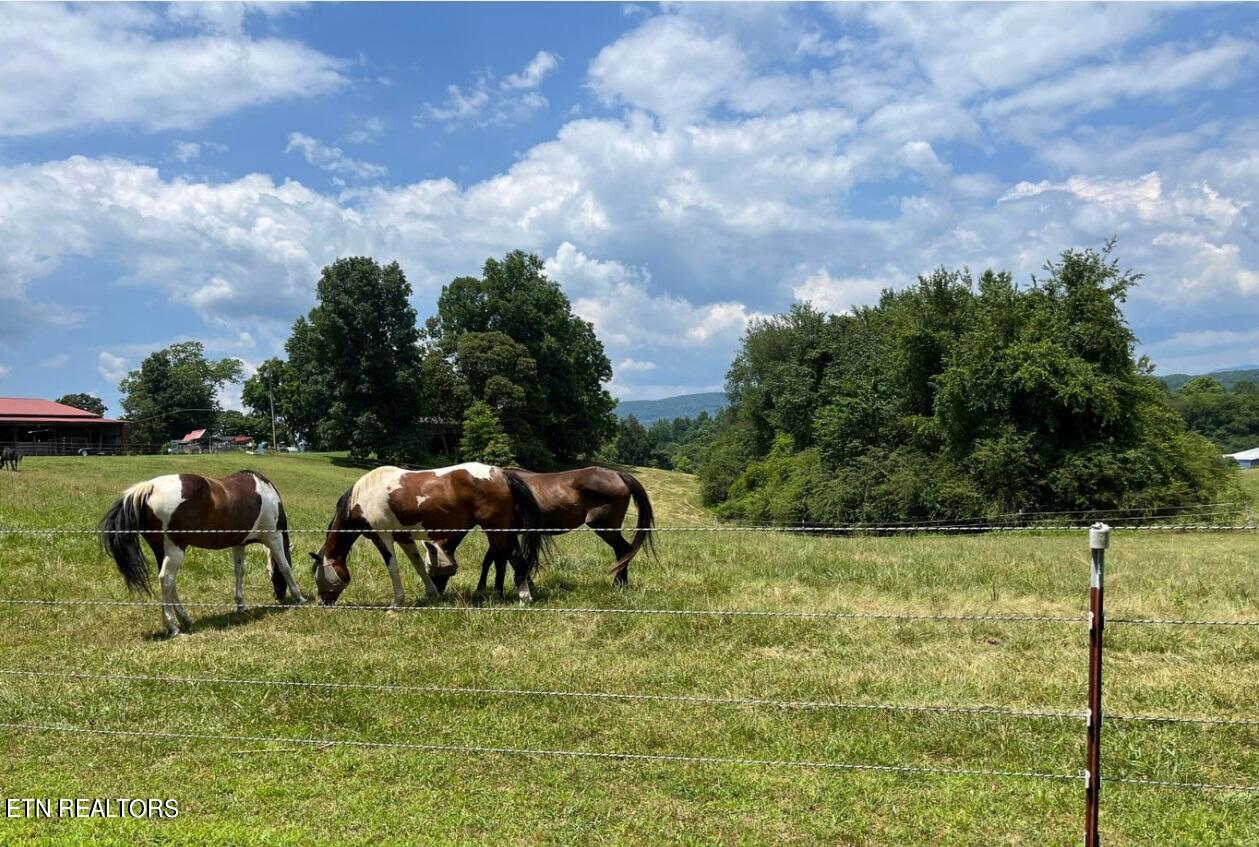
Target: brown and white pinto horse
[[389, 504], [177, 511], [595, 497]]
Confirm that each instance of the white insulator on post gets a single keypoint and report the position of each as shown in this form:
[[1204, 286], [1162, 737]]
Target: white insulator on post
[[1099, 536]]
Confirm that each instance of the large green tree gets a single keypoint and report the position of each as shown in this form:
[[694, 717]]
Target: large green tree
[[955, 397], [355, 363], [519, 347], [86, 402], [174, 391]]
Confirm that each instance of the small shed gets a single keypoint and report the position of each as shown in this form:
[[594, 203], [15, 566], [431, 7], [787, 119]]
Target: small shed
[[1245, 458], [197, 441]]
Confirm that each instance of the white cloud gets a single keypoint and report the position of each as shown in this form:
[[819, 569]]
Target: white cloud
[[627, 315], [5, 370], [1143, 196], [333, 159], [628, 365], [1163, 71], [113, 65], [968, 49], [186, 151], [839, 294], [513, 100], [112, 368], [533, 73], [669, 66]]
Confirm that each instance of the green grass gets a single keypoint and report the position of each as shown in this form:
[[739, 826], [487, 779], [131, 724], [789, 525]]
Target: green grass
[[244, 792]]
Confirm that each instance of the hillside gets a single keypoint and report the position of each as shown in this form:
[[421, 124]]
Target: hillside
[[1227, 378], [668, 408]]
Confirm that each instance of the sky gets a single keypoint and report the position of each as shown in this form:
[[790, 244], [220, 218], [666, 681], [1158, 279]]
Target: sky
[[185, 171]]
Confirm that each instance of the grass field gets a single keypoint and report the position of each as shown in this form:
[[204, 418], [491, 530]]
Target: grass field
[[250, 792]]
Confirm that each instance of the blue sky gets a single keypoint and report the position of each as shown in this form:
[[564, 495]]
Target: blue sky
[[184, 171]]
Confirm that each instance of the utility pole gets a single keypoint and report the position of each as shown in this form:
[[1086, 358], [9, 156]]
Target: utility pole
[[271, 397]]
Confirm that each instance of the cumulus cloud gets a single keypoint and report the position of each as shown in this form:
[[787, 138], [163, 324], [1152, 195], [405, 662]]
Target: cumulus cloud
[[839, 294], [627, 314], [5, 370], [333, 159], [89, 66], [669, 66]]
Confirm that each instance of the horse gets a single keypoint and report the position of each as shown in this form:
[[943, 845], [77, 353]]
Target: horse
[[388, 504], [10, 458], [177, 511], [593, 496]]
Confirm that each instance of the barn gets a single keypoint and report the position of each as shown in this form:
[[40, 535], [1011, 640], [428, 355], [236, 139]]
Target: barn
[[44, 428], [1245, 458]]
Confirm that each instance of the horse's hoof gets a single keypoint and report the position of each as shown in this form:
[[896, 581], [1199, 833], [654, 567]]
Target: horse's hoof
[[173, 633], [240, 608]]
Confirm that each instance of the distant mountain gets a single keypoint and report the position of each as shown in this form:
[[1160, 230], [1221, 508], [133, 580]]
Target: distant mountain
[[1227, 377], [668, 408]]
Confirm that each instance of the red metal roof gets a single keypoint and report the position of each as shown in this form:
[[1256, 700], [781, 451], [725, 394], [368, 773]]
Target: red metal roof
[[34, 410], [195, 435]]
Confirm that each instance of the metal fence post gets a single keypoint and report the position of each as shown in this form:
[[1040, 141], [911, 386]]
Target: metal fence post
[[1099, 540]]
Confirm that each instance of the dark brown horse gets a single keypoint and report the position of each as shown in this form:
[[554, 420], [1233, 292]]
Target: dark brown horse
[[389, 504], [595, 497], [177, 511], [10, 458]]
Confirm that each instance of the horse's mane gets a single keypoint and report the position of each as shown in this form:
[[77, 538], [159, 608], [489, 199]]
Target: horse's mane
[[341, 516]]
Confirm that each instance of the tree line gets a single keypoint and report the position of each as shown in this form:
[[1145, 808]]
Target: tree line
[[957, 396]]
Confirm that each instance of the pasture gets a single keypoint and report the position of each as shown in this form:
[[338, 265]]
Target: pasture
[[244, 792]]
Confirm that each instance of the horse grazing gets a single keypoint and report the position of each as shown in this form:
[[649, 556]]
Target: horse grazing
[[387, 504], [177, 511], [10, 458], [595, 497]]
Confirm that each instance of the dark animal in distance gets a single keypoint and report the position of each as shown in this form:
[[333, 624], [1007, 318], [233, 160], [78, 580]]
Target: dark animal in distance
[[174, 512], [10, 458], [389, 505]]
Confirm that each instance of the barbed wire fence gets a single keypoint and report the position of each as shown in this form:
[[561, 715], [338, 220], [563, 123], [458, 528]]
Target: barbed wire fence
[[1210, 518]]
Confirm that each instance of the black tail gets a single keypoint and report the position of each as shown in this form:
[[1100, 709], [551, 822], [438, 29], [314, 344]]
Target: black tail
[[646, 520], [278, 583], [120, 536], [527, 515]]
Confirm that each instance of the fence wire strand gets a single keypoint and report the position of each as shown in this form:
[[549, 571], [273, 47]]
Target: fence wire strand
[[573, 610], [543, 752], [837, 529], [698, 700]]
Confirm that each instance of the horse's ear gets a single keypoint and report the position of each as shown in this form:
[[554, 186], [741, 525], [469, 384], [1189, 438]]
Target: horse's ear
[[315, 556]]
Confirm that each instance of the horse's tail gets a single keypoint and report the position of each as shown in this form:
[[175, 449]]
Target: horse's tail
[[278, 583], [646, 521], [120, 536], [526, 515]]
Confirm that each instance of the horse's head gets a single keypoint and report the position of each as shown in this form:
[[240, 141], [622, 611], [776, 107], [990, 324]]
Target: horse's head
[[331, 577]]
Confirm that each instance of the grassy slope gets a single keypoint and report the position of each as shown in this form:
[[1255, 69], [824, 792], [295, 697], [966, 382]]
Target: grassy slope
[[233, 793]]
